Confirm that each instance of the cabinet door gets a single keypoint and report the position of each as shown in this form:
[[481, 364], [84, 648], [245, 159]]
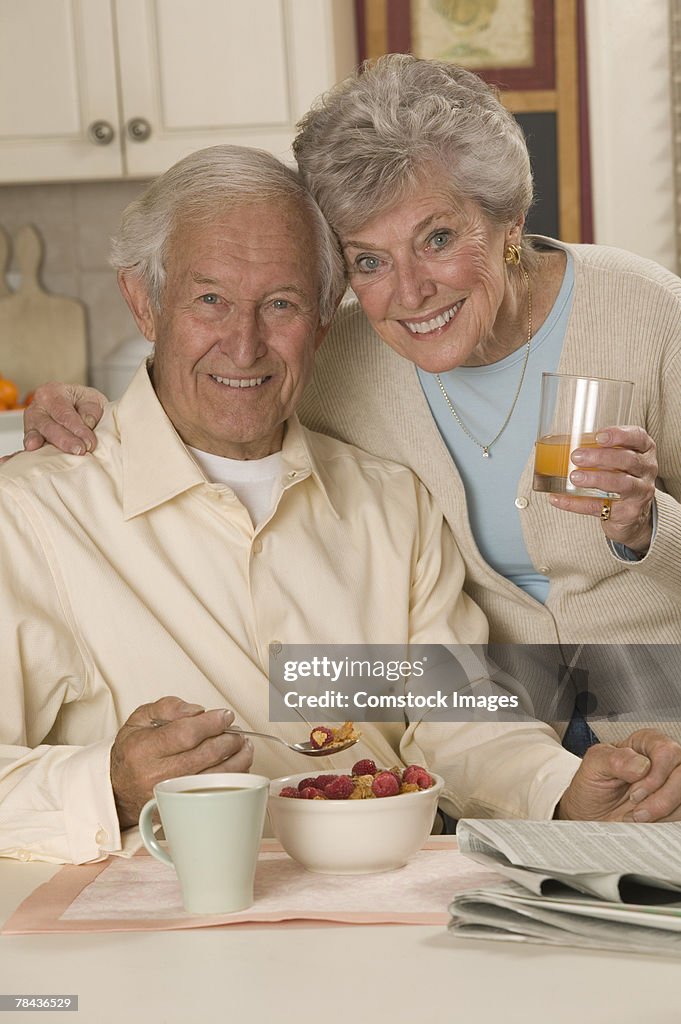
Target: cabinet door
[[57, 80], [197, 73]]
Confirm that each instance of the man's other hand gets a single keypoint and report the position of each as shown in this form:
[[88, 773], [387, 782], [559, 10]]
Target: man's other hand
[[167, 739], [637, 780], [657, 796]]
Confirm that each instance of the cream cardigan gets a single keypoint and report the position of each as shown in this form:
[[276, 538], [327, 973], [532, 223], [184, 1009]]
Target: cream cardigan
[[625, 322]]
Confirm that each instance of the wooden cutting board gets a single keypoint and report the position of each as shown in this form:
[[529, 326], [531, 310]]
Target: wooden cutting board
[[42, 336]]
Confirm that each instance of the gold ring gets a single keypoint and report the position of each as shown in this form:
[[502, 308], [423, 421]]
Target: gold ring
[[605, 511]]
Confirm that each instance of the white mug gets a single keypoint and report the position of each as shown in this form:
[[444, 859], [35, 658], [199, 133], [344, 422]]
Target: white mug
[[213, 826]]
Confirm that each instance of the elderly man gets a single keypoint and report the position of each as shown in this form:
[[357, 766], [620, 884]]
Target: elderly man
[[208, 523]]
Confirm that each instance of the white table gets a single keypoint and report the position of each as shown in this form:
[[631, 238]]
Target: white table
[[361, 974]]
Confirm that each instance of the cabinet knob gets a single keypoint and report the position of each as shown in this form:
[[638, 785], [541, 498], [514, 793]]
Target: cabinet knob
[[139, 129], [101, 133]]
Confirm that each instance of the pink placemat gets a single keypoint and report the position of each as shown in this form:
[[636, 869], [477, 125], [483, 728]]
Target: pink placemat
[[141, 894]]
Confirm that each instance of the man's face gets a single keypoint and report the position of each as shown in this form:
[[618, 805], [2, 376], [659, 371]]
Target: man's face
[[238, 327]]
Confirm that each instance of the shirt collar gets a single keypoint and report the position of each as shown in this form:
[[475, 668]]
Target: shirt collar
[[157, 466], [300, 461]]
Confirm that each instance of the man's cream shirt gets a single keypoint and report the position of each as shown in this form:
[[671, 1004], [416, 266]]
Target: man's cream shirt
[[127, 576]]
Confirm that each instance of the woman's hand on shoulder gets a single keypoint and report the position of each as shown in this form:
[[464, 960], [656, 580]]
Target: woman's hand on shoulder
[[64, 415], [625, 462]]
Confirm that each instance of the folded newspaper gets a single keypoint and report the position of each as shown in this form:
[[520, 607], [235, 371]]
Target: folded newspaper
[[603, 885]]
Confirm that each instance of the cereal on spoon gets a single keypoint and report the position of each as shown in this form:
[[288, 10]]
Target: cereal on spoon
[[324, 737]]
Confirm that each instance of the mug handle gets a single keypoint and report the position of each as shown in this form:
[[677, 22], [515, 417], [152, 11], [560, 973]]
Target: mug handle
[[147, 833]]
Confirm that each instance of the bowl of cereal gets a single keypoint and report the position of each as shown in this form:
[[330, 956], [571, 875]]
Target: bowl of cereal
[[356, 823]]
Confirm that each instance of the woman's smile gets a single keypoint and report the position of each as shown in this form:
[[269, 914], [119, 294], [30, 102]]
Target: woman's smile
[[433, 322]]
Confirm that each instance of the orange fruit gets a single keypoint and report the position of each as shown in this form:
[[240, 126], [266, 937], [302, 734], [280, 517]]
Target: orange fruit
[[9, 393]]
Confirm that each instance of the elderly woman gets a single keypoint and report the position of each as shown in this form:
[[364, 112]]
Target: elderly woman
[[425, 178]]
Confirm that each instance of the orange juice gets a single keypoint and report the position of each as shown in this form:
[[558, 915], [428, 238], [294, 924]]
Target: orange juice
[[552, 463]]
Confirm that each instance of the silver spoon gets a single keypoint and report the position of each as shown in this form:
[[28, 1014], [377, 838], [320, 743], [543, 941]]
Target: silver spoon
[[300, 748]]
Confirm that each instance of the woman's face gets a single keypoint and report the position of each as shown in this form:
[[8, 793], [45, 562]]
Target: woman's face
[[430, 275]]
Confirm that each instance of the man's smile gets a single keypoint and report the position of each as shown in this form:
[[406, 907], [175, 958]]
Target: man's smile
[[240, 382]]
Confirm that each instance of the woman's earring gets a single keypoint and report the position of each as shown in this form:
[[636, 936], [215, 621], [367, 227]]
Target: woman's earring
[[512, 254]]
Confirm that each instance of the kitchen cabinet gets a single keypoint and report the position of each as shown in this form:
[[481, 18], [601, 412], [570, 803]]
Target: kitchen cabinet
[[123, 88]]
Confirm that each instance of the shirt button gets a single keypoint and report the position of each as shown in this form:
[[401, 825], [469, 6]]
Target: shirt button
[[293, 474], [101, 836], [257, 547], [544, 570], [521, 503], [24, 855]]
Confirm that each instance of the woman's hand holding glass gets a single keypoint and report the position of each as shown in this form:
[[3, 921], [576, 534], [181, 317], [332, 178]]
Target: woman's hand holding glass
[[624, 461]]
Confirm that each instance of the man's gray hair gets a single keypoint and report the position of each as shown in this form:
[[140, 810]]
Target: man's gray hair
[[374, 137], [204, 184]]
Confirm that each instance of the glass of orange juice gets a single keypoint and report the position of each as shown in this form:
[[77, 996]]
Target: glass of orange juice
[[572, 411]]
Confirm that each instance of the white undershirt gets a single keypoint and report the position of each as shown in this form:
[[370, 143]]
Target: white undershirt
[[253, 481]]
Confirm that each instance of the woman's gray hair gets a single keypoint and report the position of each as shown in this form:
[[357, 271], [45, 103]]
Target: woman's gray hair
[[204, 184], [372, 138]]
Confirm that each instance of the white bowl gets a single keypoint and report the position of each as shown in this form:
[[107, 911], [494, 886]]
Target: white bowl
[[11, 431], [352, 837]]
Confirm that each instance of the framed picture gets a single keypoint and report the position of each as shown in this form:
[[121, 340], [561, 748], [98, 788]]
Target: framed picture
[[533, 51]]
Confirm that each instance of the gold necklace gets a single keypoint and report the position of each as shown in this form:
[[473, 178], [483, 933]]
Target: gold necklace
[[486, 447]]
